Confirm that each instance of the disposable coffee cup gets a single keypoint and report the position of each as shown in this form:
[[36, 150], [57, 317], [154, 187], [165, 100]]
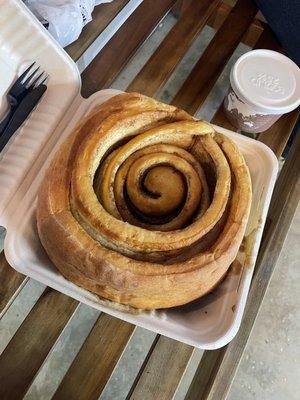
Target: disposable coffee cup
[[264, 86]]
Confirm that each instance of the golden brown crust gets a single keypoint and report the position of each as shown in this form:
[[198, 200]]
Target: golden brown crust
[[151, 262]]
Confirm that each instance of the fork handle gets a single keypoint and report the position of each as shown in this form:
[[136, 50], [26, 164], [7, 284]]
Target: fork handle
[[22, 112], [6, 119]]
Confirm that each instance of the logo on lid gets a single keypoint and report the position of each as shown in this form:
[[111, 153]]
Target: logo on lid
[[268, 82]]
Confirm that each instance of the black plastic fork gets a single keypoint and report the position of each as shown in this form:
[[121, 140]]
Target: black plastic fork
[[21, 87]]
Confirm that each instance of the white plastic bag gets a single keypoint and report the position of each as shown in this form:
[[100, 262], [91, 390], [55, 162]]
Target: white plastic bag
[[64, 19]]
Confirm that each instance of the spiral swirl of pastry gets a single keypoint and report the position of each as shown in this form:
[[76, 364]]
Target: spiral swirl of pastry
[[143, 205]]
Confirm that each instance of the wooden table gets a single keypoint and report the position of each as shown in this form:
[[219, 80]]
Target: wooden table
[[165, 363]]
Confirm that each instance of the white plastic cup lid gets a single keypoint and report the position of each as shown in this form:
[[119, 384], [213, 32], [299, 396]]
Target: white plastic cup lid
[[266, 80]]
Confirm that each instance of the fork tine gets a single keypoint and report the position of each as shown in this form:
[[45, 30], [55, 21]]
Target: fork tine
[[43, 80], [32, 84], [26, 82], [22, 76]]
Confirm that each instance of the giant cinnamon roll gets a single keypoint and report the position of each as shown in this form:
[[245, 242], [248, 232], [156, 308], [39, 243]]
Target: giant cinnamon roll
[[143, 205]]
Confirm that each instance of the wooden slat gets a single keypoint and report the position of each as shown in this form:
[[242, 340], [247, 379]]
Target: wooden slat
[[217, 18], [180, 6], [164, 60], [223, 365], [95, 361], [29, 347], [163, 371], [268, 41], [205, 374], [205, 73], [108, 63], [102, 16], [10, 282], [251, 35]]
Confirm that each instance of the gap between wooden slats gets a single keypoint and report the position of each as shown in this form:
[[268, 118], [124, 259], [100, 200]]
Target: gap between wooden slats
[[205, 73], [96, 360], [62, 353], [102, 16], [106, 65], [27, 350], [250, 37], [11, 282], [157, 70], [11, 321], [162, 371], [143, 53], [134, 356]]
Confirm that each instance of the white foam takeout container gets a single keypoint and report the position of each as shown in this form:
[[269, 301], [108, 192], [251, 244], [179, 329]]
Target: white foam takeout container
[[208, 323]]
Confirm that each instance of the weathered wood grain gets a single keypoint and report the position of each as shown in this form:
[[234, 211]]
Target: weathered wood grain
[[179, 7], [108, 63], [251, 35], [29, 347], [96, 360], [102, 16], [207, 70], [164, 60], [11, 283], [163, 371]]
